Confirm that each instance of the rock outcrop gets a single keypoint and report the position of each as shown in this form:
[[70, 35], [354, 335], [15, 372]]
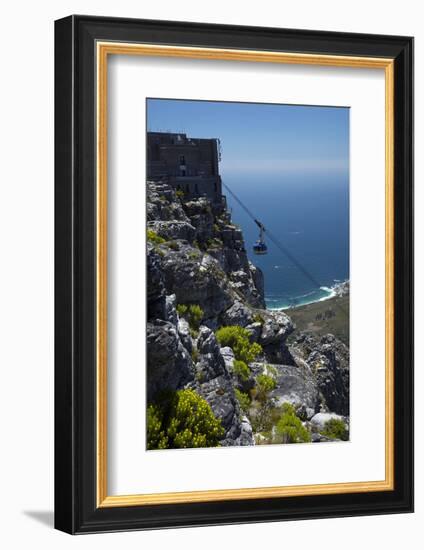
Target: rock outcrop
[[196, 257], [169, 364], [328, 361]]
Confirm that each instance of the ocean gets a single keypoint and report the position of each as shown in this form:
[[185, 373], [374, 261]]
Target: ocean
[[309, 215]]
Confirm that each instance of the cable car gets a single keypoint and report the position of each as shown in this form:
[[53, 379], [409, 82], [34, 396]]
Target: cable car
[[260, 247]]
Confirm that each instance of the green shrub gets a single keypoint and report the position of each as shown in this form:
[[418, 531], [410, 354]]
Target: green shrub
[[243, 399], [156, 435], [238, 339], [182, 419], [193, 313], [290, 428], [241, 370], [182, 309], [263, 415], [335, 429], [154, 238], [264, 385], [180, 193], [195, 316]]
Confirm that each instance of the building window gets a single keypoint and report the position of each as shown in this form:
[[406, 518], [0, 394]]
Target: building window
[[196, 187], [182, 159]]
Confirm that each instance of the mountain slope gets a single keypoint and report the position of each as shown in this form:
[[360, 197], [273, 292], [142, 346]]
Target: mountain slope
[[201, 281]]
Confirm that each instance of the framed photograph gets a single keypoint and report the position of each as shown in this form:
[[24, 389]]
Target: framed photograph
[[233, 274]]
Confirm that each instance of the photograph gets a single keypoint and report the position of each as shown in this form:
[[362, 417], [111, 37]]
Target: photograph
[[247, 270], [233, 271]]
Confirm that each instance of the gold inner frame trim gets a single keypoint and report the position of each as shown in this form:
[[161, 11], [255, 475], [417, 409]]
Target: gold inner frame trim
[[104, 49]]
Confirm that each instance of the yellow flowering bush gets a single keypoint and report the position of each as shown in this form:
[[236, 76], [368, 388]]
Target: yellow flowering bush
[[154, 238], [182, 419]]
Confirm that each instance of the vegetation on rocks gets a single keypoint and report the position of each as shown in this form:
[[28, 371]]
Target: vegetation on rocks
[[154, 238], [193, 313], [241, 370], [182, 419], [243, 400], [219, 363], [335, 429], [263, 412], [238, 338], [264, 385], [289, 428]]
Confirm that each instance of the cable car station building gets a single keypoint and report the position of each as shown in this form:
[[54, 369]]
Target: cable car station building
[[188, 164]]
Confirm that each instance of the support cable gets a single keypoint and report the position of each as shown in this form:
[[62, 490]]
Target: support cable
[[278, 244]]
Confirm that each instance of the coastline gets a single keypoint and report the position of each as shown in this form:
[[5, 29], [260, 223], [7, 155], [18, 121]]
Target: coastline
[[330, 316], [339, 289]]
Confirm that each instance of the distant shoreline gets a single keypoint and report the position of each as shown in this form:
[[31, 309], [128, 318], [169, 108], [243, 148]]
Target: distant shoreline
[[339, 289], [329, 316]]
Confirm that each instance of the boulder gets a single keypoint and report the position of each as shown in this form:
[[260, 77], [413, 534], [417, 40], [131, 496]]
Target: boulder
[[228, 355], [219, 393], [169, 365], [211, 363], [255, 330], [237, 314], [296, 386], [276, 328], [196, 279]]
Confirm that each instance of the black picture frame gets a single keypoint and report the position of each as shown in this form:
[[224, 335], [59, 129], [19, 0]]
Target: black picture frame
[[76, 510]]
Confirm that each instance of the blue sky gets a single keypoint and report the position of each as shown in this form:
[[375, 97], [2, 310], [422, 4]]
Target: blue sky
[[262, 138]]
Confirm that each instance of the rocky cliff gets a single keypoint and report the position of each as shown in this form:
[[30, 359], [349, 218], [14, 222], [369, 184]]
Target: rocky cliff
[[199, 280]]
